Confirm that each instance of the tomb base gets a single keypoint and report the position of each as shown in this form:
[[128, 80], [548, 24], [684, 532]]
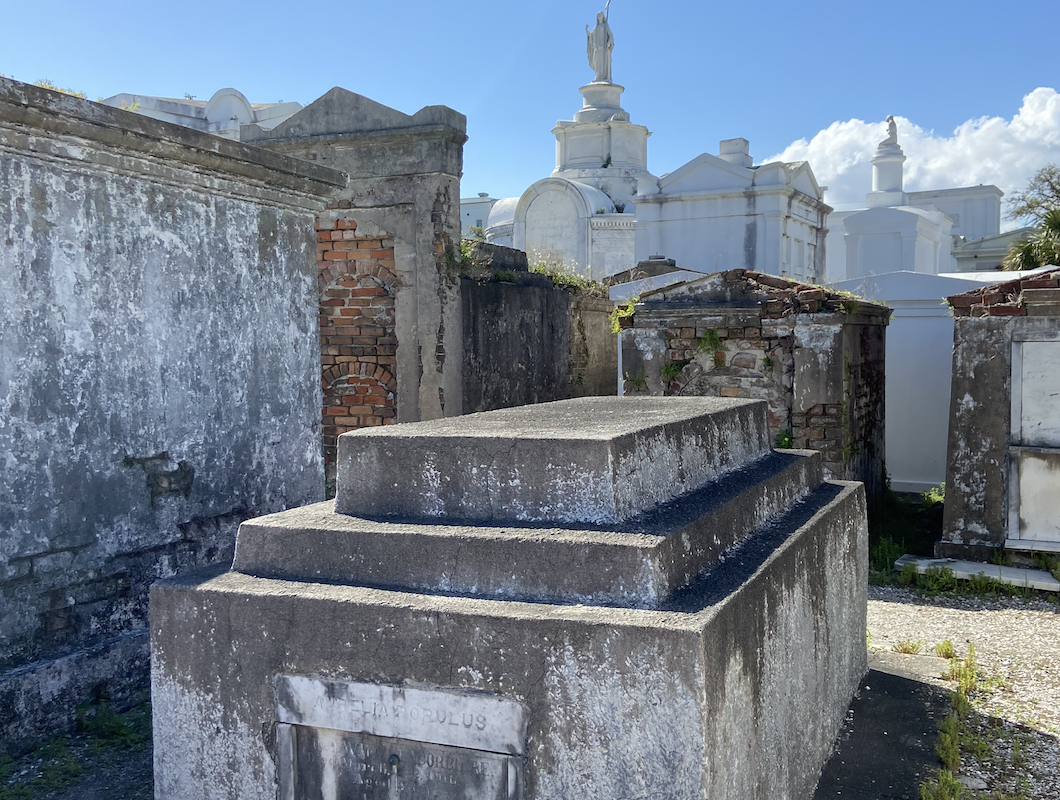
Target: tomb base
[[724, 670]]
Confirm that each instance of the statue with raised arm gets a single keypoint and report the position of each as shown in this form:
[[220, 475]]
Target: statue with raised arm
[[892, 133], [601, 43]]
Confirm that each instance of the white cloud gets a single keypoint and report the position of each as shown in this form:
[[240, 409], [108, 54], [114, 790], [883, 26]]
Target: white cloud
[[986, 150]]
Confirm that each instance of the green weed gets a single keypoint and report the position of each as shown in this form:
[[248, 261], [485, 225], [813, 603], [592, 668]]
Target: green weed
[[671, 370], [1047, 562], [936, 494], [908, 647], [1001, 557], [937, 580], [909, 575], [620, 312], [784, 439], [960, 702], [943, 787], [883, 554], [948, 748], [944, 649]]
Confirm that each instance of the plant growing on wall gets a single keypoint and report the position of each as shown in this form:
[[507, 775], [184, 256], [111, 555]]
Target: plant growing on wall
[[784, 439], [624, 310], [712, 343], [671, 370], [44, 83], [635, 383]]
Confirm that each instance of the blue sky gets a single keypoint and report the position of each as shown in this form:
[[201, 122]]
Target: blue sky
[[695, 72]]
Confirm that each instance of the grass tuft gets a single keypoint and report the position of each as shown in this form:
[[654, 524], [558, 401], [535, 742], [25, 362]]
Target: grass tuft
[[944, 649]]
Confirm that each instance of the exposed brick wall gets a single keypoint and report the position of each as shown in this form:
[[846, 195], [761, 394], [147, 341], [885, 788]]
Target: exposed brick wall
[[358, 343], [815, 357], [754, 361]]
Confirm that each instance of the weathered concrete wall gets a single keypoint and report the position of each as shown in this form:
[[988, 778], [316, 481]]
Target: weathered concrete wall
[[158, 378], [528, 341], [817, 359], [593, 364], [979, 461], [516, 340]]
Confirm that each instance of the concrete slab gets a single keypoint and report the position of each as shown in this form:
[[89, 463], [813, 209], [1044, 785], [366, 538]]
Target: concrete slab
[[589, 460], [966, 570], [907, 665]]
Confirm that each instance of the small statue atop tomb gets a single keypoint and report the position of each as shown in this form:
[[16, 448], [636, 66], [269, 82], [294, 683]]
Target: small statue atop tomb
[[601, 43], [892, 133]]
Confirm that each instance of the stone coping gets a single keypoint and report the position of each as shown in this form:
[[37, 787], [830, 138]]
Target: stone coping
[[64, 115], [774, 296]]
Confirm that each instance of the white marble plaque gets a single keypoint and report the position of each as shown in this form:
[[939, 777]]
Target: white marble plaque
[[1039, 421], [458, 719], [1039, 483]]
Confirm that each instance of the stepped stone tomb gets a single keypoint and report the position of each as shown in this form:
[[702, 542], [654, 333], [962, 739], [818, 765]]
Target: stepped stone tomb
[[592, 598]]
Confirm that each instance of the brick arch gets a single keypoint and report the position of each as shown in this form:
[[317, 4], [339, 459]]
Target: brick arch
[[356, 395], [336, 270], [359, 370]]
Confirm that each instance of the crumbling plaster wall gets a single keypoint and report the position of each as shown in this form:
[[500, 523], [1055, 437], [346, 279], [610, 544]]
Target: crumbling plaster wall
[[528, 341], [158, 378], [403, 196]]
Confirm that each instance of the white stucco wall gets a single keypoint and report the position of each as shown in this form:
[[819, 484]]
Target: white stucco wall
[[975, 210], [552, 229], [475, 211], [919, 348]]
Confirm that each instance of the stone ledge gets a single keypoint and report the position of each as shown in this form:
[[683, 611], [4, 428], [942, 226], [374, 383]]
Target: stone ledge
[[63, 115], [636, 565]]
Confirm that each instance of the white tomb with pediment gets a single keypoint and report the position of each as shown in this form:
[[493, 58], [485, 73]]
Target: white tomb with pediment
[[602, 212], [581, 217], [719, 212]]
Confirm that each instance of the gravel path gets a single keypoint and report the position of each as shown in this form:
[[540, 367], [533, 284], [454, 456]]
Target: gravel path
[[1016, 722]]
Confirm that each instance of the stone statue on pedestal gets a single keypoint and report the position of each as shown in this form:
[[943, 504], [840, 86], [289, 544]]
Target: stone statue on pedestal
[[892, 133], [601, 43]]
